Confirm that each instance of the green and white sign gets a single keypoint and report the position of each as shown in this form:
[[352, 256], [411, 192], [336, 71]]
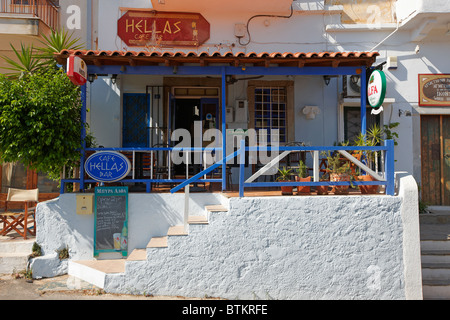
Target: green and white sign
[[376, 88], [111, 220]]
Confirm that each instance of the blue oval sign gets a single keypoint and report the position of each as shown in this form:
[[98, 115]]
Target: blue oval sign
[[107, 166]]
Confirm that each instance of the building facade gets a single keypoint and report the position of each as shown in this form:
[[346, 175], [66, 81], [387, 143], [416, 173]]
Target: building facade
[[407, 35], [295, 67]]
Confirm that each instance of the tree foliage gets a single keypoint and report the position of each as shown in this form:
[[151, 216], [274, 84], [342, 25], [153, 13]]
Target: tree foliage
[[40, 121], [40, 109]]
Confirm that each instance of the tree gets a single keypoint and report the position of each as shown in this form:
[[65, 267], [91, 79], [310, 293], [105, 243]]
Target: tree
[[40, 109], [40, 121]]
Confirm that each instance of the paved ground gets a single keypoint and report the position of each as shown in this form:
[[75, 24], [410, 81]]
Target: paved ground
[[61, 288]]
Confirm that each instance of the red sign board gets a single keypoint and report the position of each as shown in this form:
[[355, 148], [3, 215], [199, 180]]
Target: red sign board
[[76, 70], [140, 28]]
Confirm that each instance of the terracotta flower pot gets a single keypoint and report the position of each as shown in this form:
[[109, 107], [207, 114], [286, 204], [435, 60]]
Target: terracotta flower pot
[[322, 190], [338, 177], [303, 189], [368, 189], [286, 190]]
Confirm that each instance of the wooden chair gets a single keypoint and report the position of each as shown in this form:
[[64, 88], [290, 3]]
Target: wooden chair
[[13, 219]]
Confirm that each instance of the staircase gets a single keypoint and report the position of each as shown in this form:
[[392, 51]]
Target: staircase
[[14, 254], [95, 271], [435, 249]]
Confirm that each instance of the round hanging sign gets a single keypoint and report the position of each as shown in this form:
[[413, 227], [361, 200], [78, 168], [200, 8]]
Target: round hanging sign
[[376, 88], [107, 166]]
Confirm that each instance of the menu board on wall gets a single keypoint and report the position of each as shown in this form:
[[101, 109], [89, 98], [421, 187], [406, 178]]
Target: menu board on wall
[[111, 220], [434, 90]]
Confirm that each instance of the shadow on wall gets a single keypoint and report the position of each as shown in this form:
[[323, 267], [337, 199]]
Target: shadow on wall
[[104, 115]]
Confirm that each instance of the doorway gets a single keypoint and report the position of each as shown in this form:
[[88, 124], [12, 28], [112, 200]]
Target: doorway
[[435, 159], [136, 112], [184, 112]]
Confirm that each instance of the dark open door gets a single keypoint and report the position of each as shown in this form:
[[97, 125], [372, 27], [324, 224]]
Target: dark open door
[[136, 112]]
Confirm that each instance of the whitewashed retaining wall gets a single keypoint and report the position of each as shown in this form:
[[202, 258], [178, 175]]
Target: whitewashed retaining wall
[[299, 247]]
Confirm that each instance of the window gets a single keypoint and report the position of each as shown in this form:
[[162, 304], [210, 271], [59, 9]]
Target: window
[[270, 110], [14, 175], [271, 106], [22, 2], [352, 122]]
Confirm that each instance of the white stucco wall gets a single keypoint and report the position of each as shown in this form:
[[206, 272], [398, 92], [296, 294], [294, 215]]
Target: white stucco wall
[[312, 248], [150, 215]]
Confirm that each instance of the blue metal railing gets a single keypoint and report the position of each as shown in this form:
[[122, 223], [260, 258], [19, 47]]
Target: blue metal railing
[[149, 180], [388, 180]]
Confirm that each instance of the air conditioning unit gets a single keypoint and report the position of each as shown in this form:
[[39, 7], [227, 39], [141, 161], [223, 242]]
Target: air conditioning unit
[[352, 86]]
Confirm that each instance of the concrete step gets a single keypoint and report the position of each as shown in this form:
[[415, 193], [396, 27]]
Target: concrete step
[[436, 271], [14, 254], [177, 231], [95, 271], [138, 255], [157, 242], [435, 256], [13, 262], [198, 220], [16, 246], [216, 208], [436, 289], [434, 245], [434, 218]]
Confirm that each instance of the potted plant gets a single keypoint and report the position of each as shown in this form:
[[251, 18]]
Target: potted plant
[[302, 176], [284, 176], [323, 190], [339, 171], [371, 139]]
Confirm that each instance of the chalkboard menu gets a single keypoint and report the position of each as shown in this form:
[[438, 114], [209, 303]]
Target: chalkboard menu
[[111, 220]]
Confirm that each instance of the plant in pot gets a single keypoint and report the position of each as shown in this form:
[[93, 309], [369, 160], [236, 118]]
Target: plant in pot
[[339, 171], [370, 139], [302, 176], [323, 190], [285, 176]]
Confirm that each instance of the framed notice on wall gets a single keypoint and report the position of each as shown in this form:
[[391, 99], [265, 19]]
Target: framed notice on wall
[[111, 220], [434, 90]]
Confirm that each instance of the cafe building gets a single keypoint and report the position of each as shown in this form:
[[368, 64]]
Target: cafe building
[[171, 84]]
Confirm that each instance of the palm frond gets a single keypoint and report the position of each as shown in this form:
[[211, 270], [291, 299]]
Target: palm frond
[[26, 61], [57, 41]]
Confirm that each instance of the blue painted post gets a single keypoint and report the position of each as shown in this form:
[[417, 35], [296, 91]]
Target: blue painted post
[[363, 101], [390, 167], [242, 168], [224, 131], [83, 134]]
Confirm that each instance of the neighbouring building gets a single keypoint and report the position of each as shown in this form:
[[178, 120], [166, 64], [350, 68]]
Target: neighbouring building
[[23, 22]]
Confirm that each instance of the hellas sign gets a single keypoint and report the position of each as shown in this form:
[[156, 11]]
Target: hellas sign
[[142, 28]]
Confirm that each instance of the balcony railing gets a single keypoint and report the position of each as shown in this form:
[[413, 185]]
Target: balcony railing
[[154, 166], [386, 178], [45, 10]]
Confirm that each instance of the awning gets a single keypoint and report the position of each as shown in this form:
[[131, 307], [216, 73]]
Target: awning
[[238, 59]]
